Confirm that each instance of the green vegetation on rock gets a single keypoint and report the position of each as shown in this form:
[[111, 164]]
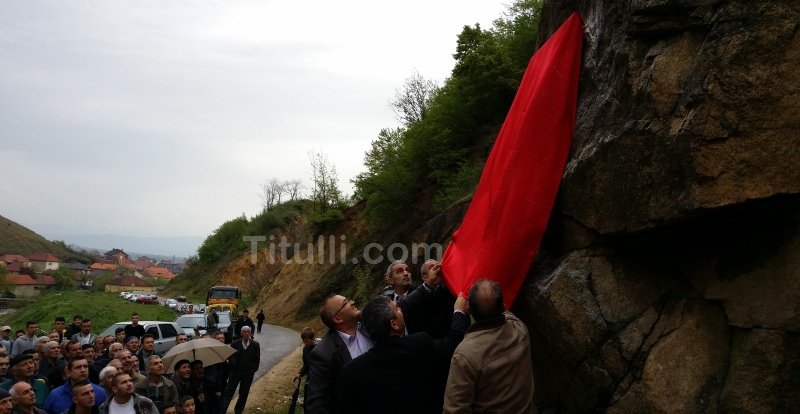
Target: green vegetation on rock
[[445, 139]]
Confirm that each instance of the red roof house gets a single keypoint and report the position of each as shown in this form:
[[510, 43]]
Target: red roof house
[[158, 272]]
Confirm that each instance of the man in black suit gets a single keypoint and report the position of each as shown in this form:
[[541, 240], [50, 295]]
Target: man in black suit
[[346, 339], [369, 383], [430, 306], [243, 321], [243, 365]]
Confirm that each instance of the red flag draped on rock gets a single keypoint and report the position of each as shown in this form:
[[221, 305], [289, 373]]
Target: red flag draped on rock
[[508, 214]]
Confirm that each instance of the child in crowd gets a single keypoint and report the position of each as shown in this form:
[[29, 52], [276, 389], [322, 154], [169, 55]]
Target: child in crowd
[[308, 336], [186, 405]]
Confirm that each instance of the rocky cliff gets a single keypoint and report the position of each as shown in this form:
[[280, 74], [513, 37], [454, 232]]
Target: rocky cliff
[[669, 280]]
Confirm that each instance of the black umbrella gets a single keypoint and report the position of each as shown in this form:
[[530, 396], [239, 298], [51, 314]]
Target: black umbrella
[[295, 395]]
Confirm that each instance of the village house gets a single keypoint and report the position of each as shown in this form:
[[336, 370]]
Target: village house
[[127, 283], [117, 256], [14, 268], [25, 285], [82, 274], [15, 258], [158, 274], [42, 262]]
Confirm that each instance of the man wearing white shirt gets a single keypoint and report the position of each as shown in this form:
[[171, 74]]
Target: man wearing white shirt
[[85, 336], [345, 341], [125, 401]]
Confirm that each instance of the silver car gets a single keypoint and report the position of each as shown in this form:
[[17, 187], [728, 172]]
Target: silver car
[[163, 332], [190, 321]]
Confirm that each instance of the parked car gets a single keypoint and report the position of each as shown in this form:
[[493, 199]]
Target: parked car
[[190, 322], [148, 299], [199, 308], [182, 307], [181, 298], [164, 333], [171, 303]]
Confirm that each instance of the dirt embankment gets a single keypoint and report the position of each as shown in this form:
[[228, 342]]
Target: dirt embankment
[[273, 392]]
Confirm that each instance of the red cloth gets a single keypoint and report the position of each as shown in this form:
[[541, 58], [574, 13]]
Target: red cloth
[[508, 215]]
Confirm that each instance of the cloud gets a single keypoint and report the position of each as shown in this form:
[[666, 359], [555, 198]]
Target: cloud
[[155, 118]]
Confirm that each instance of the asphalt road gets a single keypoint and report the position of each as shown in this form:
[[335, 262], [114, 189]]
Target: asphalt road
[[276, 342]]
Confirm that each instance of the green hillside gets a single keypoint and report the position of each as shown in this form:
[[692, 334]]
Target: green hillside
[[17, 239], [414, 172]]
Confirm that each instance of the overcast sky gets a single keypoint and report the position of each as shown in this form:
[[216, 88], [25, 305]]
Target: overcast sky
[[162, 118]]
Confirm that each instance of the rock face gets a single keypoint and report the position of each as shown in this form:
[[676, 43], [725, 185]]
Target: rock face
[[669, 279]]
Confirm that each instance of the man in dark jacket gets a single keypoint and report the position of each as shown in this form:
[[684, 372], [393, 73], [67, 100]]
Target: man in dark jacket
[[397, 359], [429, 307], [243, 365], [346, 339], [134, 328], [73, 329], [398, 281], [260, 318], [244, 320], [217, 375]]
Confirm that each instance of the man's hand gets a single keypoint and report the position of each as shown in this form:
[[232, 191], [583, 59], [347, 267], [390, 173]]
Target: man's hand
[[434, 277], [461, 305]]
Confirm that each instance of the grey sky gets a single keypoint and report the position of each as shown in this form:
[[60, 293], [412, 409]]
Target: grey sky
[[161, 118]]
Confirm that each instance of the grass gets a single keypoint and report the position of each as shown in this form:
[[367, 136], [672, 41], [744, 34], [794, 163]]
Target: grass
[[102, 308]]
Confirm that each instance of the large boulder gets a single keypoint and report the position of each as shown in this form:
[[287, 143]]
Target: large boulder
[[684, 106], [669, 278]]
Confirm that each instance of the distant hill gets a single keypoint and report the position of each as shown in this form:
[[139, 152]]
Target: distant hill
[[152, 247], [18, 239]]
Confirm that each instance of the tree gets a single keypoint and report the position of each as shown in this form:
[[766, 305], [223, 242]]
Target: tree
[[293, 189], [325, 193], [271, 192], [411, 102], [64, 278]]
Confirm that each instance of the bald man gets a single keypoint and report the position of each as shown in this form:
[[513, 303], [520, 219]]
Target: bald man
[[346, 340], [491, 370]]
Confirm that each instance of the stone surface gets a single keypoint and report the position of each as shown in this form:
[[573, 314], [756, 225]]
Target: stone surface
[[767, 295], [683, 106], [762, 377], [624, 288], [685, 365], [676, 236], [568, 309]]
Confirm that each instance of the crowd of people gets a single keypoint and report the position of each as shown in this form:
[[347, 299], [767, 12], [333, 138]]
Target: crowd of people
[[412, 349], [416, 350], [71, 370]]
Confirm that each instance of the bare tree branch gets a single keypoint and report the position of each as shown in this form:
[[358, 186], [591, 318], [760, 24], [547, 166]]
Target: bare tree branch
[[411, 102]]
